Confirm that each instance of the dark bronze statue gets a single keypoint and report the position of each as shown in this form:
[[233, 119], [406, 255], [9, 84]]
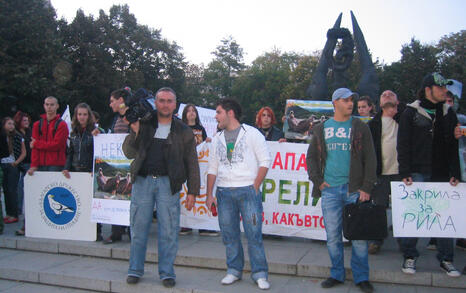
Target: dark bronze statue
[[339, 64]]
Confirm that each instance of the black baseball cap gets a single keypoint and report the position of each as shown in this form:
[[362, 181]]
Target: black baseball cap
[[435, 78]]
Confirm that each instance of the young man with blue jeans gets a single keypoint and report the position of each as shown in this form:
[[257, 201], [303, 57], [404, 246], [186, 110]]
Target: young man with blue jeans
[[238, 162], [342, 166]]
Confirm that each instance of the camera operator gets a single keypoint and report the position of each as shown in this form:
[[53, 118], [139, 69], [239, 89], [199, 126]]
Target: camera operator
[[164, 153], [119, 125]]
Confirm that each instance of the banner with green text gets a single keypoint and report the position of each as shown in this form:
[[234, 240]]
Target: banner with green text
[[289, 209]]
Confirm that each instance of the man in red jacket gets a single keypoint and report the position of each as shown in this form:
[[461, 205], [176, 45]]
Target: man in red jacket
[[49, 136]]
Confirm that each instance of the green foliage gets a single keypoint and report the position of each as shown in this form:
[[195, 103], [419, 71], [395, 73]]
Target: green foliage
[[30, 49], [404, 77], [84, 60]]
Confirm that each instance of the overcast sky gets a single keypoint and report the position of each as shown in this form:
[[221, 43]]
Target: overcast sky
[[259, 26]]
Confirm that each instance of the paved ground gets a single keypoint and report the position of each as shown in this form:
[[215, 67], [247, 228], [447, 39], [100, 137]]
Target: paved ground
[[295, 264]]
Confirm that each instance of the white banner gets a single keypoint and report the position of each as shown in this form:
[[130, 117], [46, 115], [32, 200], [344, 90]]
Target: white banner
[[289, 208], [207, 118], [112, 182], [427, 209], [57, 207]]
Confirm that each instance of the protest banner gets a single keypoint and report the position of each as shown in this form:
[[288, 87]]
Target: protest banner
[[112, 181], [59, 208], [207, 118], [289, 209], [303, 115], [427, 209]]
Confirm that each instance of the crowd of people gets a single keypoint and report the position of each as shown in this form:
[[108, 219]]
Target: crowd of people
[[348, 161]]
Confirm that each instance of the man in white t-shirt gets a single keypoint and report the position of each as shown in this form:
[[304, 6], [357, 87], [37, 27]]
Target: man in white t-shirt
[[384, 130]]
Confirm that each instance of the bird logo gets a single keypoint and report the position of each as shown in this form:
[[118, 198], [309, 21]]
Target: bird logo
[[57, 207]]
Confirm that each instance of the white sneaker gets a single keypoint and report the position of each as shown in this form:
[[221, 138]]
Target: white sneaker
[[229, 279], [449, 269], [263, 284]]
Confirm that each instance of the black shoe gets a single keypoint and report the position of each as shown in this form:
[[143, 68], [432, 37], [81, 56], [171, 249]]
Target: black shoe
[[169, 283], [132, 279], [112, 239], [330, 282], [212, 233], [365, 286], [186, 231]]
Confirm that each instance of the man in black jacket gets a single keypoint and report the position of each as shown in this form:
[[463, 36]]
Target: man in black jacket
[[164, 153], [428, 151], [384, 130]]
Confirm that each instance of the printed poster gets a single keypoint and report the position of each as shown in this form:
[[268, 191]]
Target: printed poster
[[112, 181], [289, 209], [302, 115], [57, 207]]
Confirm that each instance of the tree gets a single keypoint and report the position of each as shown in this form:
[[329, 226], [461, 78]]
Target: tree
[[266, 82], [223, 70], [30, 48], [114, 51], [404, 77]]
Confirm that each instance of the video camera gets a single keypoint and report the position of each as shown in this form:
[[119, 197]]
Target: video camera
[[139, 107]]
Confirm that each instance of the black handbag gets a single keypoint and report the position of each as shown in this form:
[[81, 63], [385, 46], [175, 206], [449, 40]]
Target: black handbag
[[364, 221]]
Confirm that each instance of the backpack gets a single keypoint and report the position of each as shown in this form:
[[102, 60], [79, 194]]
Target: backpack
[[54, 128]]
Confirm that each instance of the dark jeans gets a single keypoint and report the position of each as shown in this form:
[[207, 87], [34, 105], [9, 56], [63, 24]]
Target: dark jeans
[[444, 245], [10, 189], [381, 195], [22, 173]]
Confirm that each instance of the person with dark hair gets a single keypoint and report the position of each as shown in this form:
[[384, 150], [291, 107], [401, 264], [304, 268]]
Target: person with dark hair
[[265, 122], [365, 107], [428, 152], [97, 120], [23, 123], [384, 130], [80, 153], [190, 117], [119, 125], [238, 162], [16, 154], [164, 153], [341, 165]]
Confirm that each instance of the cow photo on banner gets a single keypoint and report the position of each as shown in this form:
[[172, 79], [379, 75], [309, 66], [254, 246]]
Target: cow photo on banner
[[112, 181]]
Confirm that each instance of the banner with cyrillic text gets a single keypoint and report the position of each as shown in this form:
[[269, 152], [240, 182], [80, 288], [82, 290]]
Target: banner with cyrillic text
[[428, 209], [57, 207], [289, 209], [112, 181]]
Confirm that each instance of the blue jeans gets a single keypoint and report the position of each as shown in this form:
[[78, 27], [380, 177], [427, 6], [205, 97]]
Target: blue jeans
[[146, 191], [233, 202], [333, 200], [445, 246]]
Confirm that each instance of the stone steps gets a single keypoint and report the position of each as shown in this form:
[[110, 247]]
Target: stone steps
[[290, 257]]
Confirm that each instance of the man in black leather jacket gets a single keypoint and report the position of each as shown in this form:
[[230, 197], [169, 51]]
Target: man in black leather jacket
[[164, 153], [428, 151]]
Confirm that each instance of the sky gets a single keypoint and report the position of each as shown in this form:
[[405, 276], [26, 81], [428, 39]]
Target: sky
[[300, 26]]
